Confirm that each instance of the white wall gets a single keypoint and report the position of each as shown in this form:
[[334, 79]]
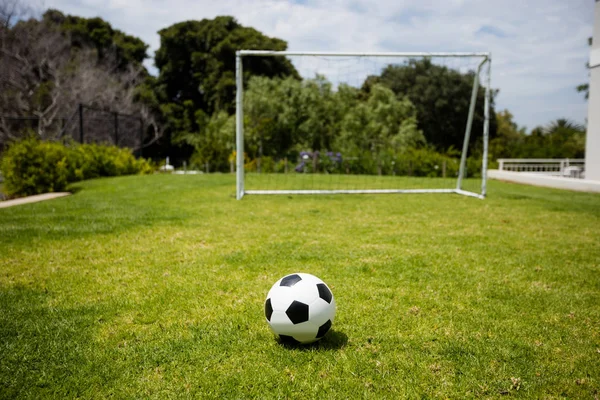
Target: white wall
[[592, 145]]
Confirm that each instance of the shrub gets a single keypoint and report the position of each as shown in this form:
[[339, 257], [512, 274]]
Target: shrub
[[250, 166], [418, 162], [267, 165], [33, 167], [283, 165], [89, 161]]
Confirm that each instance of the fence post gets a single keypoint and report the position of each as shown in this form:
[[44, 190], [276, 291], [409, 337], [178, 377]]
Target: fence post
[[116, 116], [80, 123]]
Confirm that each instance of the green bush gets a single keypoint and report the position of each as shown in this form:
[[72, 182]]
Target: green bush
[[89, 161], [419, 162], [267, 165], [31, 166], [283, 166], [411, 162]]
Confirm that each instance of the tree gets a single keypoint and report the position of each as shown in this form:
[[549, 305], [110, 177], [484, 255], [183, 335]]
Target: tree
[[565, 139], [271, 116], [509, 137], [561, 138], [95, 33], [286, 116], [34, 60], [441, 96], [321, 113], [11, 10], [380, 123], [213, 144], [196, 60], [51, 65]]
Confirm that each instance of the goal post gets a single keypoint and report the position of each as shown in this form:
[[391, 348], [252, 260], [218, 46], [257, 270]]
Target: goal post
[[387, 173]]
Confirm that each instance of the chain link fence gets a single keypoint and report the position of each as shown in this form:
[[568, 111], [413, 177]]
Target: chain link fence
[[85, 125]]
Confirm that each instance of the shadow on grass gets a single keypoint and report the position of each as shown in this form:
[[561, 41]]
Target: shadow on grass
[[75, 188], [334, 340], [45, 349]]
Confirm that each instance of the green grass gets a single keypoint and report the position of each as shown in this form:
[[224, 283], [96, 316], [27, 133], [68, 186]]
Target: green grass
[[153, 287], [255, 181]]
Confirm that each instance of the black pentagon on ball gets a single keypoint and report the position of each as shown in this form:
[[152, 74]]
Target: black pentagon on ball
[[324, 292], [290, 280], [323, 329], [297, 312], [268, 309]]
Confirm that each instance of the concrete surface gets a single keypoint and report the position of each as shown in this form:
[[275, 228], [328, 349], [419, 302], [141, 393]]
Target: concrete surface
[[579, 185], [32, 199]]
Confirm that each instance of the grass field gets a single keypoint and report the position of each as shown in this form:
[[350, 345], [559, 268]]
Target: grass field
[[352, 182], [153, 287]]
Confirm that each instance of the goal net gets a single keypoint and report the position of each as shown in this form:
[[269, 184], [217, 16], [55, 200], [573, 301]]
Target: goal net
[[362, 123]]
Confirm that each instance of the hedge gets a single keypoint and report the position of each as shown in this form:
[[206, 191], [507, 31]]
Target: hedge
[[31, 166]]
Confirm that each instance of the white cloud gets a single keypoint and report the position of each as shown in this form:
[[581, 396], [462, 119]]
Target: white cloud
[[539, 47]]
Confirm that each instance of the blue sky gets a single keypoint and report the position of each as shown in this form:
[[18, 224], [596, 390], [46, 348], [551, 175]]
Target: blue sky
[[539, 47]]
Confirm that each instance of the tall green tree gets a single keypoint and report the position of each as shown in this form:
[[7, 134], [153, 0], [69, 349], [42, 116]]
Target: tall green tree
[[196, 62], [441, 96], [321, 113], [271, 116]]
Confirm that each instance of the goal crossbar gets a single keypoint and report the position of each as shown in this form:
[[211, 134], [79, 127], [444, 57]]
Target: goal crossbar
[[486, 59], [264, 53]]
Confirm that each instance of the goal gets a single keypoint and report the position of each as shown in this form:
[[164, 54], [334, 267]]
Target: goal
[[349, 123]]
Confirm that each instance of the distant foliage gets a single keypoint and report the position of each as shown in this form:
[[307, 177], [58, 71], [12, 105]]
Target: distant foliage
[[90, 161], [33, 167], [50, 65], [196, 63], [307, 127], [99, 34], [213, 144], [418, 162], [382, 125], [561, 138], [441, 96]]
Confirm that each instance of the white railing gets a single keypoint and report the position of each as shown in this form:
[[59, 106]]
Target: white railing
[[565, 167]]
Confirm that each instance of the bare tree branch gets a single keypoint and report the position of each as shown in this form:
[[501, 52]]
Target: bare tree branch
[[42, 74]]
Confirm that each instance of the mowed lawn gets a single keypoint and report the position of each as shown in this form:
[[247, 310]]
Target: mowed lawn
[[153, 287]]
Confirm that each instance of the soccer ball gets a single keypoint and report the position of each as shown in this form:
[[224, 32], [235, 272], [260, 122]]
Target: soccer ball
[[300, 308]]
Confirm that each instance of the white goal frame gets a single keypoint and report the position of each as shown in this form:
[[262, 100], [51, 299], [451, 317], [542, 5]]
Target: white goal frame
[[486, 60]]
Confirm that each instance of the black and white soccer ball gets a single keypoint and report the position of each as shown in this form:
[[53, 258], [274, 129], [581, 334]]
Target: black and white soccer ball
[[300, 308]]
